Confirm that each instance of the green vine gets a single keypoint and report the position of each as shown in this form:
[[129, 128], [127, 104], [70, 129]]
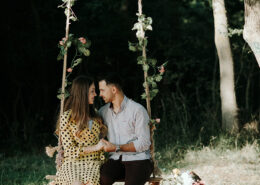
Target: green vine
[[153, 74], [145, 24], [81, 49], [81, 45]]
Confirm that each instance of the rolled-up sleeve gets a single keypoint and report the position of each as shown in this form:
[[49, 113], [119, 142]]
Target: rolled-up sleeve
[[142, 130]]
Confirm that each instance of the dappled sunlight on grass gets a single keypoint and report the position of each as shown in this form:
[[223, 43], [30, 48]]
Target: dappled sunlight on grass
[[219, 166]]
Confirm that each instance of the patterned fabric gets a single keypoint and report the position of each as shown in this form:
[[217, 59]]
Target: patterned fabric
[[79, 166]]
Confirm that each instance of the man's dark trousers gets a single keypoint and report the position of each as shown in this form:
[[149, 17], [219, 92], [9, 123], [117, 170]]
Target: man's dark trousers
[[133, 172]]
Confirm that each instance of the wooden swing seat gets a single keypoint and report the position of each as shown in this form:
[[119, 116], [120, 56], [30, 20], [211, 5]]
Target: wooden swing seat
[[151, 181]]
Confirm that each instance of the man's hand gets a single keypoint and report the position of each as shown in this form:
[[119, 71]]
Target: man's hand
[[109, 147]]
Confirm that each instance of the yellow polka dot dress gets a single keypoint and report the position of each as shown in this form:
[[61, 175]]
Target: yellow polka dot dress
[[78, 166]]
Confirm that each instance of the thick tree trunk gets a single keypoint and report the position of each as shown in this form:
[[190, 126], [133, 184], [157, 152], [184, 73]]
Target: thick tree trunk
[[251, 31], [227, 90]]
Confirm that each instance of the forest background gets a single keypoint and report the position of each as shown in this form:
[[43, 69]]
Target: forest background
[[188, 102]]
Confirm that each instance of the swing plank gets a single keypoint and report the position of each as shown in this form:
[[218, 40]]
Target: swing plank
[[151, 181]]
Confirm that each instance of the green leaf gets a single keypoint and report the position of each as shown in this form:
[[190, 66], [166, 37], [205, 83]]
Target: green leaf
[[153, 93], [88, 43], [145, 67], [132, 48], [149, 79], [68, 43], [87, 52], [84, 51], [155, 90], [73, 18], [67, 94], [154, 85], [77, 62], [158, 78], [141, 18], [165, 63], [59, 96], [140, 60], [152, 61], [144, 84], [66, 12], [149, 20], [60, 56], [140, 48], [143, 96]]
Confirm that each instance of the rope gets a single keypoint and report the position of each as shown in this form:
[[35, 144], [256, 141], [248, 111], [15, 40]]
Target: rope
[[156, 170], [58, 162]]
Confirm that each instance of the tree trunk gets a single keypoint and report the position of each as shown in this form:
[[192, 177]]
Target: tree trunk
[[251, 31], [227, 90]]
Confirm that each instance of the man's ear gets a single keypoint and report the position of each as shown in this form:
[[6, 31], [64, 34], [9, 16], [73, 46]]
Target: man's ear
[[114, 90]]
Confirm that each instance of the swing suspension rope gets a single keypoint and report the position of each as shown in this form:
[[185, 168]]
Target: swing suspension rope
[[156, 170], [58, 159]]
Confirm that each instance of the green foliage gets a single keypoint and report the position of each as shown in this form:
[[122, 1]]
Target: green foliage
[[141, 26], [235, 31], [81, 46]]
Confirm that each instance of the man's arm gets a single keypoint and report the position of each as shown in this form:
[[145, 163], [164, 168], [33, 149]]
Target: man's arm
[[142, 130]]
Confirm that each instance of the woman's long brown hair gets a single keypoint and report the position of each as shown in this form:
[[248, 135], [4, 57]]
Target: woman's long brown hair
[[81, 110]]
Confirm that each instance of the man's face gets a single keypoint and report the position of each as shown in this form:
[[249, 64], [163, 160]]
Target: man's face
[[106, 91]]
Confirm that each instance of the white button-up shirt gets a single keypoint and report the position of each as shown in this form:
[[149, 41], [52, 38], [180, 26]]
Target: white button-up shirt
[[130, 124]]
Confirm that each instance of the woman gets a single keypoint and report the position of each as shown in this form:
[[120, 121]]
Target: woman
[[80, 128]]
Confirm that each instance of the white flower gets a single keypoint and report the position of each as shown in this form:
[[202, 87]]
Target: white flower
[[137, 26], [187, 180], [149, 27], [140, 34]]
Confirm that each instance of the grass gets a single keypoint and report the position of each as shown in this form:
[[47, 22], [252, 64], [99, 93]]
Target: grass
[[226, 167], [25, 169], [226, 160]]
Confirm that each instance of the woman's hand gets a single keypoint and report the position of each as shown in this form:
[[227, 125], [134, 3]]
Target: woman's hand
[[101, 144], [109, 147], [97, 147]]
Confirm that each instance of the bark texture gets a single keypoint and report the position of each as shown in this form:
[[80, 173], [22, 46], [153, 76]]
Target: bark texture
[[227, 89], [251, 31]]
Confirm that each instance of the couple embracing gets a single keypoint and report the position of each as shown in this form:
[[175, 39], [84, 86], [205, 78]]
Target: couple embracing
[[127, 140]]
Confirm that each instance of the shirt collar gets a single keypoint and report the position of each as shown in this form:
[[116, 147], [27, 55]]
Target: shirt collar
[[122, 106]]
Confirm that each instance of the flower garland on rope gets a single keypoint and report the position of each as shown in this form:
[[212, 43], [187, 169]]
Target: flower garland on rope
[[150, 80], [81, 45]]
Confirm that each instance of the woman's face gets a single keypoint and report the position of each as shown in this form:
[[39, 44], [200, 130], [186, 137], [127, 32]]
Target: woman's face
[[91, 93]]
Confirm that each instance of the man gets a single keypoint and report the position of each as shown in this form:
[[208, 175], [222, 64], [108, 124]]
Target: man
[[128, 136]]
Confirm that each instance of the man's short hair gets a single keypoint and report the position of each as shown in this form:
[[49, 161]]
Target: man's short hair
[[112, 79]]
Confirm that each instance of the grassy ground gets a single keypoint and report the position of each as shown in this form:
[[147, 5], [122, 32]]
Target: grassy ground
[[216, 164], [225, 167], [25, 169]]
